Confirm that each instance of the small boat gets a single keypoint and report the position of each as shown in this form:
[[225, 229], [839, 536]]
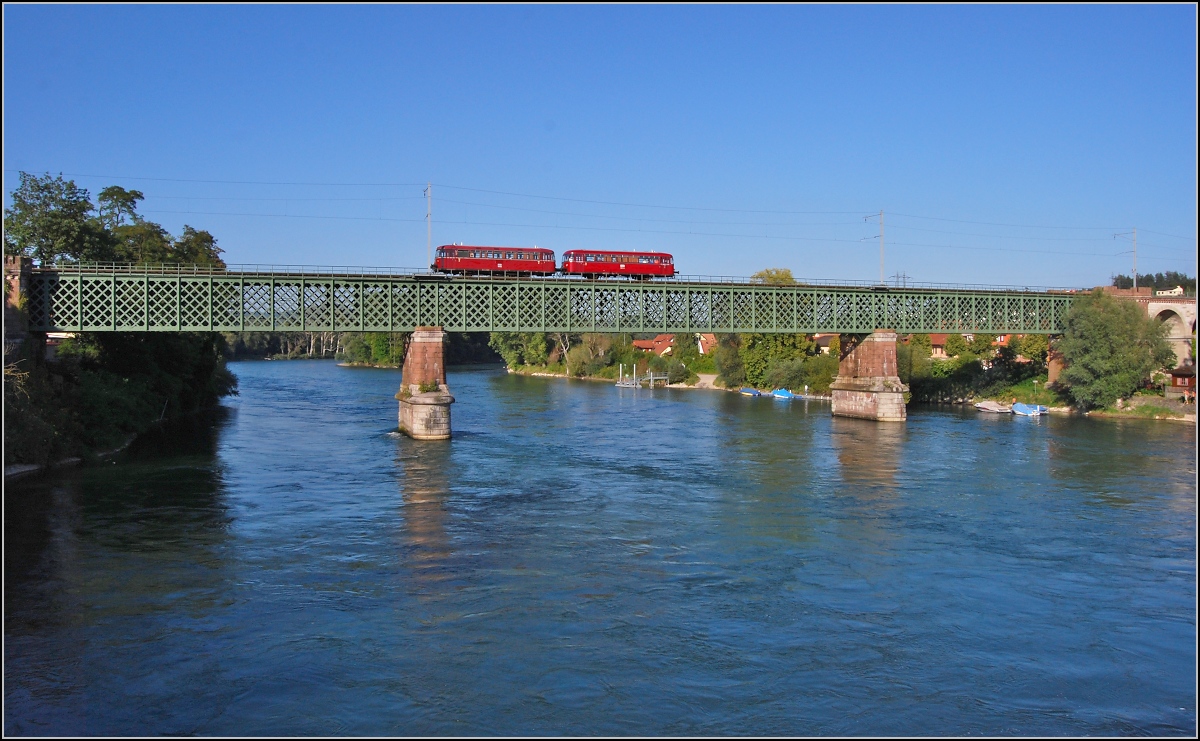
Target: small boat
[[749, 392], [1028, 410], [783, 394], [993, 406]]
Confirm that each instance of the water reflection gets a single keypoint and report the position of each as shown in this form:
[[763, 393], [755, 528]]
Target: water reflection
[[868, 453], [424, 488]]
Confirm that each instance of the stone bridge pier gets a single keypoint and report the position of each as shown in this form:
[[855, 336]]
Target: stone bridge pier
[[425, 415], [868, 382]]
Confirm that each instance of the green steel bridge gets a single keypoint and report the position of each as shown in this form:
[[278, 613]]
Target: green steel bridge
[[186, 298]]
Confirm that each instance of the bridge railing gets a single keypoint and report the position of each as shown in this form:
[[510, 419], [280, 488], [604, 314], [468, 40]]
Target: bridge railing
[[354, 271]]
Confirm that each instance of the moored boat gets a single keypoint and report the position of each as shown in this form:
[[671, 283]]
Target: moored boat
[[993, 406], [1028, 410], [749, 392], [783, 394]]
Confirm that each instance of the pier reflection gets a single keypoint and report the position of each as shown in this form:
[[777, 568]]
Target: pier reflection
[[424, 488], [868, 452]]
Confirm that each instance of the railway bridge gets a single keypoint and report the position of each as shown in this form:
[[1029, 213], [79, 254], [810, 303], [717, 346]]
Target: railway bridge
[[174, 298]]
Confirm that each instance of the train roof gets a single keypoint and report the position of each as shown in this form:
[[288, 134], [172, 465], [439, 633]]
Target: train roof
[[490, 247], [619, 252]]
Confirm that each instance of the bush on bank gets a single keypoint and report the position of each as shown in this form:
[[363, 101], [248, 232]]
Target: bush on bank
[[105, 387]]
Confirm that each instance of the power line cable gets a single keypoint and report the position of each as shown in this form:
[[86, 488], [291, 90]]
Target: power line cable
[[222, 182], [639, 231]]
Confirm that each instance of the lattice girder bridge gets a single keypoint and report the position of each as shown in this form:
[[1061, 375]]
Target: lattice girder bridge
[[75, 299]]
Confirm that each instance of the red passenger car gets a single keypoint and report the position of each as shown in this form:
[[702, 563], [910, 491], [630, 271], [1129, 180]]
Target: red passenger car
[[464, 260], [641, 265]]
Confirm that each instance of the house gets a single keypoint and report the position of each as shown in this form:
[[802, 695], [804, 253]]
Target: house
[[707, 343], [1176, 291], [1183, 381], [823, 341], [660, 345], [937, 344]]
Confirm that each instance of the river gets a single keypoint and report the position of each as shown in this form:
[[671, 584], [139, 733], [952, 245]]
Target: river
[[582, 560]]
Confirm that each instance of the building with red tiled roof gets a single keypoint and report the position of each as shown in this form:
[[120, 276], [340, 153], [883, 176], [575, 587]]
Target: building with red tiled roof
[[707, 342], [660, 345]]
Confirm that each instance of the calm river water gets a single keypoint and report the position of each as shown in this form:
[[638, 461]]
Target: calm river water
[[582, 559]]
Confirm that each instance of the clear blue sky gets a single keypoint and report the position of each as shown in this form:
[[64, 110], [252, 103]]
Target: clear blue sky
[[1004, 143]]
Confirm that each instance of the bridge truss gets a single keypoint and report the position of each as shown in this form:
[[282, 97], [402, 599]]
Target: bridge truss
[[79, 299]]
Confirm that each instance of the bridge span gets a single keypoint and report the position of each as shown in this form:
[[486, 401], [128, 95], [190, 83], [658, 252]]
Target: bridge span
[[190, 298], [141, 298]]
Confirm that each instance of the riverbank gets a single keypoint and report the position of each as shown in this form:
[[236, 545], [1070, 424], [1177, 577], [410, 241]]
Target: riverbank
[[23, 470]]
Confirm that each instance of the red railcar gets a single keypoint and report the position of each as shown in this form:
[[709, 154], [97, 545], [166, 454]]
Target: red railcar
[[455, 258], [594, 263]]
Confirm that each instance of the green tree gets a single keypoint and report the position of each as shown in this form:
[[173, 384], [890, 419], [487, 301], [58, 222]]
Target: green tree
[[1109, 347], [117, 205], [520, 348], [912, 361], [50, 221], [922, 341], [143, 242], [758, 351], [197, 247], [956, 345], [1033, 346], [730, 369], [981, 344], [775, 276]]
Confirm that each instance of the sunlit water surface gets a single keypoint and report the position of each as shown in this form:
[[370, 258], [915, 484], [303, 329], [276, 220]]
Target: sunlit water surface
[[582, 560]]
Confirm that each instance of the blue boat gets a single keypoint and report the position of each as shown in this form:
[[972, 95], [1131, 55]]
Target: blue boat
[[1028, 410], [783, 394], [749, 392]]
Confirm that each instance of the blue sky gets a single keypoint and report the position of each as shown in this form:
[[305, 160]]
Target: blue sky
[[1006, 144]]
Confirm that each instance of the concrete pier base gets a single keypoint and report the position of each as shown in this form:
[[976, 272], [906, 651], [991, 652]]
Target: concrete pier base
[[868, 383], [425, 415]]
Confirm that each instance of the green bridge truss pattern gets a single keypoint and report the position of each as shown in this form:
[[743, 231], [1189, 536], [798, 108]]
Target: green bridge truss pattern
[[78, 300]]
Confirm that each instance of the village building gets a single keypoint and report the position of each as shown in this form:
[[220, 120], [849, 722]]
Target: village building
[[660, 345], [1183, 381]]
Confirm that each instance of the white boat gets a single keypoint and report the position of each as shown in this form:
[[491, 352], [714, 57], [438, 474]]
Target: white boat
[[993, 406]]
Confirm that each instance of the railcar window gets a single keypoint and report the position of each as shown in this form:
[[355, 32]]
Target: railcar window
[[462, 253]]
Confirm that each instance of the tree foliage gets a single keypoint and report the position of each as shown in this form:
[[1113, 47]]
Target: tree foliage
[[1109, 347], [775, 276], [1158, 281], [981, 344], [53, 220], [49, 220], [956, 345], [520, 348]]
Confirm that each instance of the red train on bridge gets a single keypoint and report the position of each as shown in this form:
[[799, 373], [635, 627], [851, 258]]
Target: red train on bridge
[[465, 260]]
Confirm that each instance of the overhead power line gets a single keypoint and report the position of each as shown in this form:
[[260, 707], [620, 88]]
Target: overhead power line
[[633, 231]]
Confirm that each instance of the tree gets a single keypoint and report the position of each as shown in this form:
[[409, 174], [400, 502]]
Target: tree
[[759, 351], [1109, 348], [197, 247], [144, 242], [775, 276], [49, 221], [981, 344], [924, 342], [729, 361], [117, 204], [956, 345], [1032, 346]]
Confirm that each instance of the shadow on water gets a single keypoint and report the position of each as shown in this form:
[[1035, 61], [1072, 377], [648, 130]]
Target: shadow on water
[[161, 498]]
